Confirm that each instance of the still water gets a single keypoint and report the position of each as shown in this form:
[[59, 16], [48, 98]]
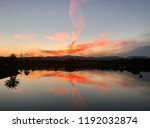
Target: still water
[[78, 90]]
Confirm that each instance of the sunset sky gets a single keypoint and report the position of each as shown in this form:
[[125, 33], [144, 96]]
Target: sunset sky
[[73, 27]]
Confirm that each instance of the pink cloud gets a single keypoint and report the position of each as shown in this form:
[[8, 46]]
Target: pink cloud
[[59, 36], [102, 46], [77, 18], [23, 36]]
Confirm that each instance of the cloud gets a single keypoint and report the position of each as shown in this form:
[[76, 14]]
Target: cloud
[[98, 47], [77, 18], [139, 51], [23, 36], [59, 36], [101, 46], [77, 49]]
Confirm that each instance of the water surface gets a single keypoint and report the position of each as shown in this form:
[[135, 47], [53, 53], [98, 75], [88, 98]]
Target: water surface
[[78, 90]]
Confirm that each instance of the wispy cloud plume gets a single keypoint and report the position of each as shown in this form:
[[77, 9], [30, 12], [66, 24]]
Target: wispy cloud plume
[[77, 18]]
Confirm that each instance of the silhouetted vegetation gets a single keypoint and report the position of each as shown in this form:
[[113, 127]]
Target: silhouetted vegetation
[[9, 66]]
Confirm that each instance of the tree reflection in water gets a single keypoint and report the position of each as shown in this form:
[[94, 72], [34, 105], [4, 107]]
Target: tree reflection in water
[[12, 82], [26, 72]]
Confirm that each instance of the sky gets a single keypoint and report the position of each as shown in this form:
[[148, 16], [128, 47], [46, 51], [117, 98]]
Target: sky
[[74, 27]]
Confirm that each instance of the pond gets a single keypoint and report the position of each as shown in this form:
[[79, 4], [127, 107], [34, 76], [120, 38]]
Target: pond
[[90, 90]]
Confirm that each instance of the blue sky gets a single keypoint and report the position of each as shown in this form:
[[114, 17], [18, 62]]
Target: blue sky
[[118, 19]]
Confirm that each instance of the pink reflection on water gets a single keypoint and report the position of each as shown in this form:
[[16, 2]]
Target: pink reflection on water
[[98, 80]]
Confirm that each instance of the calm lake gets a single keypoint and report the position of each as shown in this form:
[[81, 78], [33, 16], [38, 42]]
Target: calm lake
[[78, 90]]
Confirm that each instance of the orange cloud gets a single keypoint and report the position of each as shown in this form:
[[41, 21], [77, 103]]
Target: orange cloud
[[101, 46], [60, 36], [23, 36], [100, 42]]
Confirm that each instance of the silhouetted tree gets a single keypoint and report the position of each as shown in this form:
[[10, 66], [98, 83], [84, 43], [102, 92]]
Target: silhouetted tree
[[12, 56], [12, 83]]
